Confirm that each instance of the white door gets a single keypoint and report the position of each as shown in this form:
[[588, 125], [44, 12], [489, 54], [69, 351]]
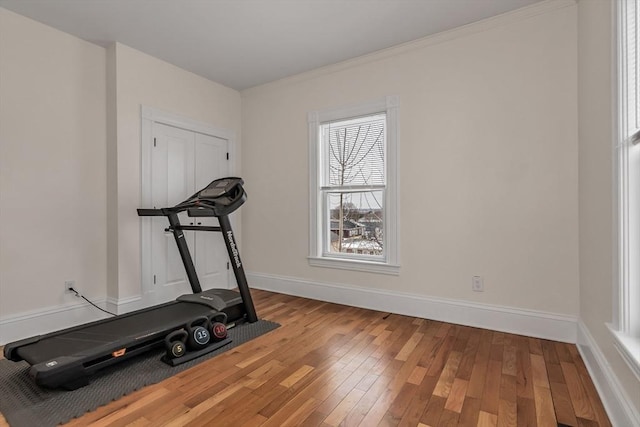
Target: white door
[[183, 162]]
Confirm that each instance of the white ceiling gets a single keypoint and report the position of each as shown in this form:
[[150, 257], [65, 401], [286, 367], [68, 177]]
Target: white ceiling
[[243, 43]]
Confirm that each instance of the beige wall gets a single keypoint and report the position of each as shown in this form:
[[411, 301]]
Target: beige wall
[[488, 163], [596, 179], [141, 79], [70, 113], [52, 166]]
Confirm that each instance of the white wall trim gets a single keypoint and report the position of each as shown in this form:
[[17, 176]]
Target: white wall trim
[[38, 322], [557, 327], [355, 265], [616, 402]]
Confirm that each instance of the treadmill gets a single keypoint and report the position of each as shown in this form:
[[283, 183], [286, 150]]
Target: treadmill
[[65, 359]]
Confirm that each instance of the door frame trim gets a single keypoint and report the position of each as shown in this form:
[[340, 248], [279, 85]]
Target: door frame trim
[[149, 116]]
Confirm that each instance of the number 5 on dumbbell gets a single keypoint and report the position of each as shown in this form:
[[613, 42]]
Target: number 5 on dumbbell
[[176, 343]]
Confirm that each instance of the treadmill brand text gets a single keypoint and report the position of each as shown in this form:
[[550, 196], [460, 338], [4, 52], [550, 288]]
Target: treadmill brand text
[[234, 250]]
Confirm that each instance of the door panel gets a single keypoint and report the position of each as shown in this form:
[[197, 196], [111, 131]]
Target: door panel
[[211, 255], [172, 173]]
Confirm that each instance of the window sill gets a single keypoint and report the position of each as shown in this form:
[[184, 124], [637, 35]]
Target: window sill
[[629, 349], [355, 265]]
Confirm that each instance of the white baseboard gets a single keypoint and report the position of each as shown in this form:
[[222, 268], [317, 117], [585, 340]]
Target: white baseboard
[[38, 322], [557, 327], [125, 305], [617, 403]]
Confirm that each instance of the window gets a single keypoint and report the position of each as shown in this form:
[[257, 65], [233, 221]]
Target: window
[[353, 187], [627, 324]]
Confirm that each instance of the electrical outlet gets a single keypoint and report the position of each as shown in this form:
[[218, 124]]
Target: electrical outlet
[[477, 284], [69, 284]]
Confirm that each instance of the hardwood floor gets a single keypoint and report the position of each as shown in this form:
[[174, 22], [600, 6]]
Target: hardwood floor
[[332, 365]]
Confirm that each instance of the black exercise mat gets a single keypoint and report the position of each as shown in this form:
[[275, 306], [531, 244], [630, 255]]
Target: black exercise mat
[[25, 404]]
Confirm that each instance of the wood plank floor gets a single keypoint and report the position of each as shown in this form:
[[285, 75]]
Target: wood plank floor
[[332, 365]]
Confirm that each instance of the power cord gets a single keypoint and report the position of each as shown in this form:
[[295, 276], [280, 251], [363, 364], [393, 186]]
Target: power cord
[[79, 295]]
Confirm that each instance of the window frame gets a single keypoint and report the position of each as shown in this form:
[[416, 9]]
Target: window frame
[[625, 325], [318, 255]]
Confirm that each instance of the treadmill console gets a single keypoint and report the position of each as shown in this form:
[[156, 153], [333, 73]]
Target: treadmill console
[[220, 198], [219, 187]]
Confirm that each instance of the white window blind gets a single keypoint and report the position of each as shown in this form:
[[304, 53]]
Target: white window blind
[[356, 151]]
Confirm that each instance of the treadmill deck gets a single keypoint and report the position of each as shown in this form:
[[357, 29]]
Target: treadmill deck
[[112, 334]]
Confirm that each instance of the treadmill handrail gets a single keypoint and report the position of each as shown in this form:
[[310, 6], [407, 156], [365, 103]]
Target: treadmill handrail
[[151, 212]]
